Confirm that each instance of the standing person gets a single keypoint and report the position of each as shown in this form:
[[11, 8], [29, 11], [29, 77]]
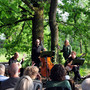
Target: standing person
[[2, 72], [66, 49], [36, 53], [14, 77]]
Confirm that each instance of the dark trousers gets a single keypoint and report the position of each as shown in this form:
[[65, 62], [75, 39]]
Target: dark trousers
[[76, 73]]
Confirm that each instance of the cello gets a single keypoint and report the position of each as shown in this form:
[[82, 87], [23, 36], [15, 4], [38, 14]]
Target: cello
[[46, 64]]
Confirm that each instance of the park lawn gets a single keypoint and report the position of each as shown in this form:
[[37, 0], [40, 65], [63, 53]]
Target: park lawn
[[85, 70], [3, 58]]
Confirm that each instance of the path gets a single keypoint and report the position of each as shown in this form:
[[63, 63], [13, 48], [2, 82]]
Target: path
[[78, 86]]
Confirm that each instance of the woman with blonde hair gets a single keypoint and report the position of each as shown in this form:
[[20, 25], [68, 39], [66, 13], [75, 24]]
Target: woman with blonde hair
[[33, 72], [67, 49], [25, 83]]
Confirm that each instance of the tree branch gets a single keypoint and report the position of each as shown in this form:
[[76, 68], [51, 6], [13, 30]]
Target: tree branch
[[24, 10], [65, 23], [16, 22], [29, 5], [20, 32], [8, 7]]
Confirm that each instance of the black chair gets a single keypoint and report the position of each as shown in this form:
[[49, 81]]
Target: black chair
[[57, 88]]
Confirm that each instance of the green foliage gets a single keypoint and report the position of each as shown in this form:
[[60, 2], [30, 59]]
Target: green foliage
[[19, 34], [27, 62], [2, 51]]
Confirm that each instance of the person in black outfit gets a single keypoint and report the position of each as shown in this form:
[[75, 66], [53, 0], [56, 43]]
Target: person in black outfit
[[74, 68], [14, 59], [66, 49], [36, 53]]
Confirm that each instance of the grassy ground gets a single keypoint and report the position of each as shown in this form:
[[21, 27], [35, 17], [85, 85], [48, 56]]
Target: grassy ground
[[3, 58]]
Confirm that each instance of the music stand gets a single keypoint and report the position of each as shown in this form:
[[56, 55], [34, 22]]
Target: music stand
[[78, 61], [46, 54]]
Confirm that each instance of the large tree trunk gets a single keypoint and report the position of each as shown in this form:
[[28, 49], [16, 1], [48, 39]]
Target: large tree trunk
[[37, 28], [37, 25], [53, 24]]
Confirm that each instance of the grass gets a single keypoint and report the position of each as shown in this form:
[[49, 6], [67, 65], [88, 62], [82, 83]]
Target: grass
[[85, 70], [3, 58]]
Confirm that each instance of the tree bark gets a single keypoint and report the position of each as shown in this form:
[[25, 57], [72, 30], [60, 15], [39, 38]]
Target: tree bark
[[53, 24], [37, 25]]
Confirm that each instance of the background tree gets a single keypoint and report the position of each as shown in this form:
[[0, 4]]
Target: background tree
[[24, 21]]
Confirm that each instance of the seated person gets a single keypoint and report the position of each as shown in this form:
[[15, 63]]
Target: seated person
[[57, 77], [11, 82], [25, 83], [2, 72], [86, 84], [74, 68], [14, 59], [33, 72]]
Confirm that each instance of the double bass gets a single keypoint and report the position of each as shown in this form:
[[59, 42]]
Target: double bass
[[46, 64]]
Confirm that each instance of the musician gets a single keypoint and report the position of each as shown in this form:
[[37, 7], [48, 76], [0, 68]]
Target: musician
[[14, 59], [74, 68], [36, 53], [66, 49]]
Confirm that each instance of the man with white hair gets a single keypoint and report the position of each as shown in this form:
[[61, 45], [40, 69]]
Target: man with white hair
[[12, 81], [86, 84], [2, 72]]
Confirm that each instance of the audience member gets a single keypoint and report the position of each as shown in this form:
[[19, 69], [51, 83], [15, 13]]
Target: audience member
[[57, 77], [67, 77], [33, 72], [11, 82], [2, 72], [25, 83], [86, 84]]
